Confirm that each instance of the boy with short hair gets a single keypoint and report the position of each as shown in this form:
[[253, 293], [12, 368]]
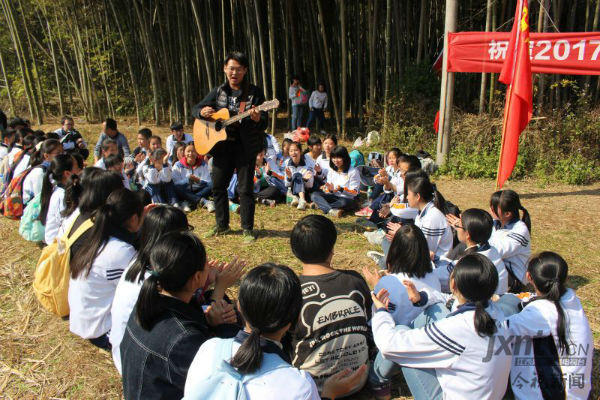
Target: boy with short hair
[[332, 333], [177, 135], [109, 131], [109, 147]]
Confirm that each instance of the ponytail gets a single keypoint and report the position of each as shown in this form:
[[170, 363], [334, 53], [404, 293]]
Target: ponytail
[[439, 201], [525, 217], [73, 191], [175, 258], [509, 202], [484, 323], [60, 164], [47, 189], [549, 272], [249, 356]]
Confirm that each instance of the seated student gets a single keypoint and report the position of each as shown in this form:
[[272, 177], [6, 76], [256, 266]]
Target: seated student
[[143, 148], [318, 347], [167, 326], [114, 163], [70, 138], [158, 178], [155, 142], [474, 228], [315, 148], [271, 147], [178, 153], [512, 239], [177, 135], [269, 186], [17, 146], [284, 154], [53, 193], [340, 190], [458, 357], [40, 163], [109, 147], [8, 139], [408, 259], [97, 265], [22, 159], [552, 325], [299, 176], [270, 301], [374, 176], [109, 131], [192, 180]]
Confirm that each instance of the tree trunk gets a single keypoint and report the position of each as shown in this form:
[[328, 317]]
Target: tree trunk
[[285, 18], [328, 63], [484, 76], [273, 63], [13, 109], [40, 103], [421, 42], [388, 66], [263, 64], [344, 64], [372, 33], [209, 75]]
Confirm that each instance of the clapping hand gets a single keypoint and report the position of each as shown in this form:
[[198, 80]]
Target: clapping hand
[[392, 229], [220, 312]]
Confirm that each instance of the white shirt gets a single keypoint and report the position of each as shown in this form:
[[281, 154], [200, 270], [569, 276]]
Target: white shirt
[[126, 296], [90, 298], [282, 383], [22, 166], [3, 151], [67, 222], [181, 173], [32, 184], [13, 152], [302, 169], [436, 230], [513, 243], [537, 322], [318, 100], [348, 182], [54, 217], [100, 164], [323, 162], [453, 348], [406, 311], [171, 141], [272, 147], [154, 176]]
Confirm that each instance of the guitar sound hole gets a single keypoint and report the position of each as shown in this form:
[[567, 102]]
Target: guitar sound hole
[[218, 125]]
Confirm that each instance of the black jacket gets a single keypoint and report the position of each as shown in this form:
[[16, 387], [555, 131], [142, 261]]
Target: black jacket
[[250, 134], [156, 362]]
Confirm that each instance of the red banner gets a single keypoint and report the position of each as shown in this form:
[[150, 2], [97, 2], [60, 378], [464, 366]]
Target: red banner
[[573, 53]]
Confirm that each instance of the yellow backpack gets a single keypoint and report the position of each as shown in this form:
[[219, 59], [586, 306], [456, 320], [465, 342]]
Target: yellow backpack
[[52, 273]]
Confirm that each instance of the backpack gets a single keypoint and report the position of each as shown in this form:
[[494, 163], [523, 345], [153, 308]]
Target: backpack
[[53, 271], [356, 158], [11, 204], [225, 382], [6, 171], [30, 227]]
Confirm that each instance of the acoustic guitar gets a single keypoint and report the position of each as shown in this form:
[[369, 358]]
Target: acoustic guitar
[[208, 132]]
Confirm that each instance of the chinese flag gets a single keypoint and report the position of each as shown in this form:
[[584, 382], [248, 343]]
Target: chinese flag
[[516, 73]]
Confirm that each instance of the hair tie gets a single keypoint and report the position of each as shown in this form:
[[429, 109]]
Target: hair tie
[[154, 273]]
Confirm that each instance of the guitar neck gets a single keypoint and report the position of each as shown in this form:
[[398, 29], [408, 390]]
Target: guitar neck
[[236, 118]]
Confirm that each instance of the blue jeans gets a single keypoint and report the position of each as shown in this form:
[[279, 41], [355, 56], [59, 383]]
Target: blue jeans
[[509, 304], [163, 192], [376, 204], [328, 201], [185, 192], [297, 114], [318, 115], [423, 383]]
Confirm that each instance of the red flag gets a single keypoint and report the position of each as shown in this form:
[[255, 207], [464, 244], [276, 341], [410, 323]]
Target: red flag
[[516, 72]]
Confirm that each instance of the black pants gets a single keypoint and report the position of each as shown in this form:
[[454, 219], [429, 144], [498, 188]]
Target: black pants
[[228, 159]]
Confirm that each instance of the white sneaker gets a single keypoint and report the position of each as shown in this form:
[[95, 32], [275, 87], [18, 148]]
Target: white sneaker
[[302, 204], [176, 205], [186, 207], [335, 212], [375, 237], [375, 256], [210, 206], [295, 201]]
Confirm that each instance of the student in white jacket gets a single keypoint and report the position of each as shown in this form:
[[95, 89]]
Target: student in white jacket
[[341, 189], [299, 176], [40, 163], [553, 347], [512, 239], [270, 299], [177, 135], [97, 263], [458, 357], [474, 228], [192, 181], [159, 180]]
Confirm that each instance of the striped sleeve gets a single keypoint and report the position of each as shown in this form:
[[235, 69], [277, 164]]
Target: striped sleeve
[[429, 347]]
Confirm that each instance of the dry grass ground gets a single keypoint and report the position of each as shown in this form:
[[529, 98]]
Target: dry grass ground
[[39, 358]]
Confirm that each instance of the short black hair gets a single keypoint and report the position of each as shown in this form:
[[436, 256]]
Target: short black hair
[[237, 56], [156, 137], [108, 142], [409, 252], [313, 239], [341, 152], [312, 140], [9, 132], [177, 126], [111, 123], [146, 132], [66, 118], [478, 223], [52, 135], [331, 137], [18, 121], [414, 164], [112, 160]]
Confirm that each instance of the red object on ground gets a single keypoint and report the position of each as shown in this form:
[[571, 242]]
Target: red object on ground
[[301, 135]]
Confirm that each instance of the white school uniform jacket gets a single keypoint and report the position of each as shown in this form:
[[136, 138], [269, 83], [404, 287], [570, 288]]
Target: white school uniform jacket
[[323, 162], [154, 176], [536, 351], [3, 151], [272, 147], [91, 297], [405, 311], [302, 169], [171, 141], [54, 217], [100, 164], [436, 230], [32, 184], [348, 182], [466, 364], [181, 173], [277, 171], [22, 166], [12, 153], [281, 383], [513, 243], [126, 296], [445, 267]]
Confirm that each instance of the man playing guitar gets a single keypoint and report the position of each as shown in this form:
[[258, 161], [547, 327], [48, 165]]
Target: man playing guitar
[[244, 141]]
